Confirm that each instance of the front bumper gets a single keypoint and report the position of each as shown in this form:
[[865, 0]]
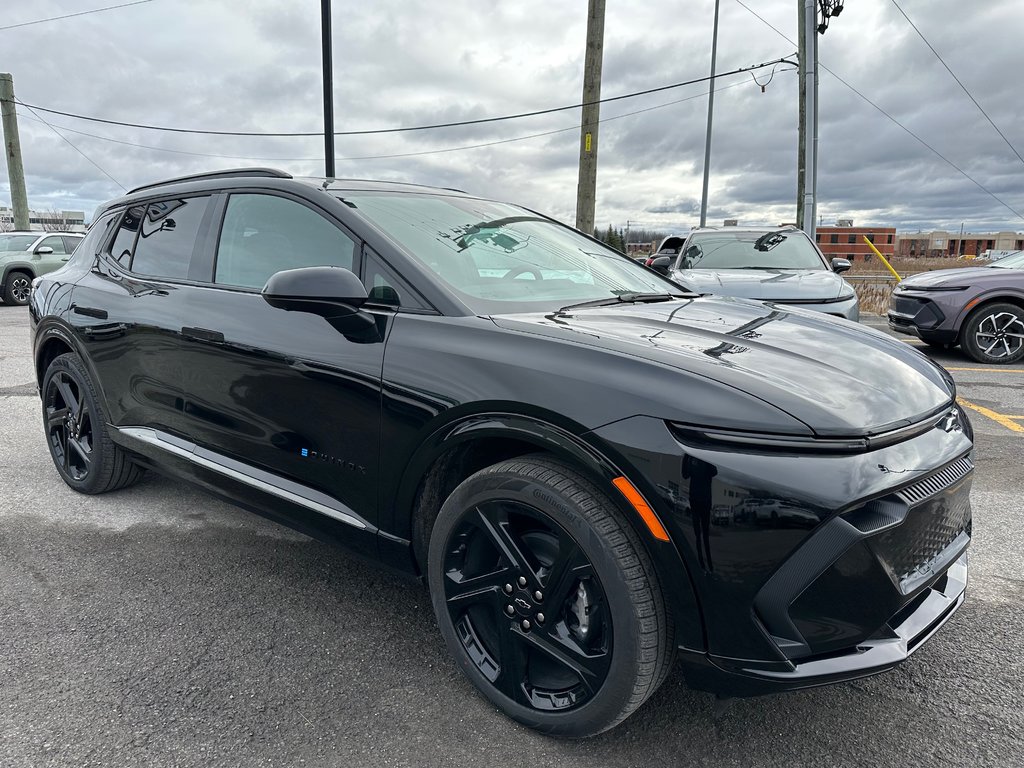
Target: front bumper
[[813, 569], [921, 317]]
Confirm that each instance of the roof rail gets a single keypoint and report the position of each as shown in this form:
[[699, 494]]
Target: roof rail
[[328, 182], [233, 173]]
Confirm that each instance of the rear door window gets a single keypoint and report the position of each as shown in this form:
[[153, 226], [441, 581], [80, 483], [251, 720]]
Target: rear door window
[[264, 234], [167, 237], [70, 243]]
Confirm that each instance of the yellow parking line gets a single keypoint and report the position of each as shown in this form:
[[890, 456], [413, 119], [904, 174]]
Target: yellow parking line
[[999, 418], [988, 370]]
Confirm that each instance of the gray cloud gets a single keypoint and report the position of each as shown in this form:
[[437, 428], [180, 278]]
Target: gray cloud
[[216, 65]]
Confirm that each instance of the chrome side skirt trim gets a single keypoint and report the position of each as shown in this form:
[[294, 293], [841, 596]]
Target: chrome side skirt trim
[[186, 450]]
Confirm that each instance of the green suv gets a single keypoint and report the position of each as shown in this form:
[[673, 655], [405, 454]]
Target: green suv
[[26, 255]]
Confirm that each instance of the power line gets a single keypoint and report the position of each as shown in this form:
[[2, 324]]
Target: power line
[[390, 156], [376, 131], [964, 87], [71, 15], [65, 138], [897, 122]]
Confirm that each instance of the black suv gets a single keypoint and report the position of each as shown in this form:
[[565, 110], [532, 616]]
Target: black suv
[[594, 472]]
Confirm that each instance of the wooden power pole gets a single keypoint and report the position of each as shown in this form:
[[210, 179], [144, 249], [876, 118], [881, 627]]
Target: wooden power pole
[[586, 190], [12, 143]]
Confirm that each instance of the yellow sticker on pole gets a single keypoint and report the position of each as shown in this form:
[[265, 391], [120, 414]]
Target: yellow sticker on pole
[[586, 142]]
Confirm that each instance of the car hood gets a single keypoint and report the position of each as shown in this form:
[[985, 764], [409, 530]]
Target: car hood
[[961, 276], [836, 377], [762, 283]]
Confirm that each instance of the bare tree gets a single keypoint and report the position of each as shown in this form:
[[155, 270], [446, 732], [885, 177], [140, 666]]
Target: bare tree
[[54, 220]]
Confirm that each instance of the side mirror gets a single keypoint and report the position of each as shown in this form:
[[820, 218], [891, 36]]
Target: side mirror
[[840, 265], [42, 250], [660, 264], [333, 293]]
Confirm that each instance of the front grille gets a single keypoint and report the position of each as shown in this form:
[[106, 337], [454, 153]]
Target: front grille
[[939, 518], [937, 481]]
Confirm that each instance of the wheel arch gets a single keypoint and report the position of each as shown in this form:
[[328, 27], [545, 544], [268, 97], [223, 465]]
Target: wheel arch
[[17, 266], [458, 450], [979, 303]]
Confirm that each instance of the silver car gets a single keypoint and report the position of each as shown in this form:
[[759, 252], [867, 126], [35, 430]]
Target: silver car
[[781, 266]]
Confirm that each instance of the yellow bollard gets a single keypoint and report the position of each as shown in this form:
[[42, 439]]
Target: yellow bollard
[[884, 260]]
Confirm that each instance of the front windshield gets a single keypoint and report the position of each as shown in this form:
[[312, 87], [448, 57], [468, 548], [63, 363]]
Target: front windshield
[[16, 242], [499, 258], [750, 250], [1016, 261]]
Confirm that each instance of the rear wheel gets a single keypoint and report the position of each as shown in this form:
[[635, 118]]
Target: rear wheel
[[547, 599], [76, 432], [994, 333], [18, 288]]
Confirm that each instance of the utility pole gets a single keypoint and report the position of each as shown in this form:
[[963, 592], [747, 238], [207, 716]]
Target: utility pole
[[807, 149], [586, 189], [328, 66], [627, 237], [711, 112], [12, 143], [806, 174]]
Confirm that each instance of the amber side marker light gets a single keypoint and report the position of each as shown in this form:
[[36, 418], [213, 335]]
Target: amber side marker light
[[638, 503]]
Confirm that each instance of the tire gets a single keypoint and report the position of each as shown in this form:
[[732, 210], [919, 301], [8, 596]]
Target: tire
[[994, 334], [18, 288], [547, 599], [76, 433]]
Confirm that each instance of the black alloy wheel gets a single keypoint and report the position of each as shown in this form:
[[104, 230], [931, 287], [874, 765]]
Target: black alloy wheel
[[76, 433], [566, 637], [994, 333], [18, 289]]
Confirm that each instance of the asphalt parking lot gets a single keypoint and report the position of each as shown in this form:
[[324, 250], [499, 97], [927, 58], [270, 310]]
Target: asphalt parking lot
[[158, 626]]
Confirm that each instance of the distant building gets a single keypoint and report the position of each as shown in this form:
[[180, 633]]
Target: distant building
[[847, 242], [940, 243], [45, 221]]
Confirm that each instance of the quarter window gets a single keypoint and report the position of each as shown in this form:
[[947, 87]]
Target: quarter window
[[263, 234], [167, 237], [124, 242]]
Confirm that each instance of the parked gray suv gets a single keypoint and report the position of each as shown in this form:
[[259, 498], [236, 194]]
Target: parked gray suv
[[26, 255]]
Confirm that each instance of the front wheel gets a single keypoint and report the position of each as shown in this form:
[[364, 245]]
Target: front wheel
[[547, 599], [994, 334]]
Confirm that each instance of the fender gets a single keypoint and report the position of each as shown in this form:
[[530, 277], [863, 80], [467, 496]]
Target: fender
[[20, 266], [993, 294], [51, 327], [677, 584]]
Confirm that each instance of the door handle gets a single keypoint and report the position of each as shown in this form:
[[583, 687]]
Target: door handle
[[99, 314], [202, 334]]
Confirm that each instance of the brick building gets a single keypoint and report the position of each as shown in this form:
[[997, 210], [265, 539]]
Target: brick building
[[953, 244], [847, 242]]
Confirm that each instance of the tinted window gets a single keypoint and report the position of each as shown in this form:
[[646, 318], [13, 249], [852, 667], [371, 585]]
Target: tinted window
[[851, 238], [55, 242], [124, 242], [834, 239], [93, 240], [167, 237], [70, 243], [263, 234]]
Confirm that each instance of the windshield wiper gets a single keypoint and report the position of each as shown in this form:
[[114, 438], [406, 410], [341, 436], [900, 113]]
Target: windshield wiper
[[626, 298]]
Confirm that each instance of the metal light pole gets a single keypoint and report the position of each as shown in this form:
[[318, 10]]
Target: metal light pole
[[325, 32], [711, 111]]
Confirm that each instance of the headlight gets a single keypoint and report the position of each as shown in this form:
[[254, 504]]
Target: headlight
[[931, 288]]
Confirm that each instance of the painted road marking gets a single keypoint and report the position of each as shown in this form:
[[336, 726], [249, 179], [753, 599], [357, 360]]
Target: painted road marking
[[988, 370], [999, 418]]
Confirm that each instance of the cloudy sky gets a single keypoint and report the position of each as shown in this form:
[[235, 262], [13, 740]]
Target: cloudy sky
[[255, 66]]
